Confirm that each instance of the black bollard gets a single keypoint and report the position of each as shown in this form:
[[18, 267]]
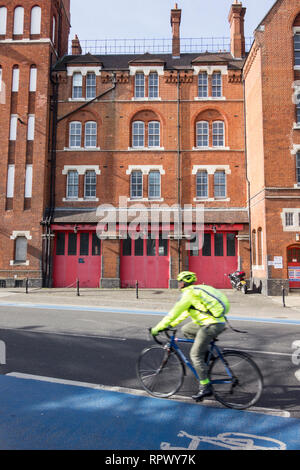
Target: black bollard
[[137, 289], [77, 283]]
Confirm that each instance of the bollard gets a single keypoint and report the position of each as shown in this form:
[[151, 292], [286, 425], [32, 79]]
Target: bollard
[[283, 296], [26, 285], [137, 289], [77, 283]]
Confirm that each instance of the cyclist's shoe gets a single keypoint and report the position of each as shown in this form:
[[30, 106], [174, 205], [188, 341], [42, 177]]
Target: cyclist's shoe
[[204, 391]]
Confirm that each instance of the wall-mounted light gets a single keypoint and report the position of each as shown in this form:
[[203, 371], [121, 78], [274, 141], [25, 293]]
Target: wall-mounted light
[[214, 229], [75, 228]]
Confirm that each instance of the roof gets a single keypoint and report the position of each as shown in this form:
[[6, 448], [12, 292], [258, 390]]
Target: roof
[[123, 61]]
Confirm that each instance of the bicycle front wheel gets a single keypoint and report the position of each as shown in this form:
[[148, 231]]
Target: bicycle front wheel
[[236, 380], [160, 371]]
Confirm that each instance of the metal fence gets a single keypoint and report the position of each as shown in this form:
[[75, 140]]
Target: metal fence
[[156, 46]]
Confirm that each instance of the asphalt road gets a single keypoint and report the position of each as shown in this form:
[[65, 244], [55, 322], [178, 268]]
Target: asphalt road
[[102, 348]]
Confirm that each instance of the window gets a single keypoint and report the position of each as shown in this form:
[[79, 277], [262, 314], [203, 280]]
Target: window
[[10, 181], [77, 85], [72, 184], [139, 89], [32, 79], [298, 109], [153, 85], [30, 128], [297, 48], [20, 249], [206, 249], [202, 184], [3, 20], [72, 244], [28, 181], [154, 185], [126, 247], [259, 246], [15, 80], [219, 249], [254, 247], [84, 244], [53, 29], [136, 185], [202, 85], [163, 245], [220, 184], [90, 85], [289, 219], [218, 134], [139, 247], [75, 134], [298, 168], [154, 134], [60, 243], [90, 184], [35, 26], [138, 134], [90, 134], [13, 127], [96, 245], [151, 247], [202, 134], [19, 20], [230, 241], [217, 85]]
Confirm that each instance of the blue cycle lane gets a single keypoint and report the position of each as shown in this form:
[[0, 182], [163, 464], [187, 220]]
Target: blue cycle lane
[[42, 415]]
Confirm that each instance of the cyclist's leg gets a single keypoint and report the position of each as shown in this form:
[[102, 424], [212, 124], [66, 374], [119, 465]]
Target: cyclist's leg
[[190, 330], [204, 336]]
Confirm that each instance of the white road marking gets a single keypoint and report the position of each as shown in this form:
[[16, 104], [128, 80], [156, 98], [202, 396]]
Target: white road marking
[[133, 391]]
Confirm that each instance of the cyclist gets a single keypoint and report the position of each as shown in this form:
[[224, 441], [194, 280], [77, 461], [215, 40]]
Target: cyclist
[[207, 307]]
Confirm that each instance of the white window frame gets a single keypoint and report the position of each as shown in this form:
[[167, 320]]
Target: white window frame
[[199, 125], [10, 185], [13, 127], [153, 85], [154, 185], [137, 127], [297, 34], [15, 79], [155, 126], [132, 184], [35, 20], [33, 79], [94, 185], [53, 29], [89, 87], [216, 134], [139, 87], [218, 185], [90, 134], [201, 184], [28, 181], [18, 21], [77, 86], [202, 86], [75, 185], [216, 85], [76, 125], [31, 127], [3, 20]]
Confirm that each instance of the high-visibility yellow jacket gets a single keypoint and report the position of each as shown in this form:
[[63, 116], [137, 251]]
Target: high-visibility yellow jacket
[[204, 304]]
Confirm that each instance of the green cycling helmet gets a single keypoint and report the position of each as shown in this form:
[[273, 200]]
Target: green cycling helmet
[[187, 277]]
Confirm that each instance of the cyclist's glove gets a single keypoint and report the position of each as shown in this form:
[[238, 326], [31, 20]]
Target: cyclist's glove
[[154, 331]]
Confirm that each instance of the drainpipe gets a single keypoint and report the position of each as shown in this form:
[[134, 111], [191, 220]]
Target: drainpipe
[[247, 179], [179, 170]]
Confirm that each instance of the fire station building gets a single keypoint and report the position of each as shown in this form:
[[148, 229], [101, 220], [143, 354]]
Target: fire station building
[[120, 168]]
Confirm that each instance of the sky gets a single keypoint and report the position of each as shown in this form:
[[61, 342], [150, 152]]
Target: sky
[[149, 19]]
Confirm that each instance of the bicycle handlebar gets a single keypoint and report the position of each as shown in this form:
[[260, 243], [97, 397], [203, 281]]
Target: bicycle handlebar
[[166, 332]]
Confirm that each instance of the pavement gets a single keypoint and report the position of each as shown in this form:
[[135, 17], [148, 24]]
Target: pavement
[[39, 413]]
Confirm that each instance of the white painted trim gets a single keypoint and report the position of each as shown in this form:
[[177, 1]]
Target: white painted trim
[[25, 41], [144, 199], [210, 149], [296, 29], [211, 169], [146, 69], [153, 149], [210, 98], [145, 169], [81, 169], [84, 70], [18, 263], [21, 233], [80, 199], [295, 149], [210, 69], [80, 149], [296, 226]]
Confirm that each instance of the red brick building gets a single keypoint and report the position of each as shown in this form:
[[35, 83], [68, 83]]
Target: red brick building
[[132, 145]]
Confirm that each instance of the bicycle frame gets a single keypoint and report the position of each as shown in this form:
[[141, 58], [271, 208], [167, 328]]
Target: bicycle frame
[[213, 349]]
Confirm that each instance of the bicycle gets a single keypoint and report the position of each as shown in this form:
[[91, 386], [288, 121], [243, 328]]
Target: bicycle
[[235, 378]]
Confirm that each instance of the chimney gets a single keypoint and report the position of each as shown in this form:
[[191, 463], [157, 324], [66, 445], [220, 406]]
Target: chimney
[[175, 23], [237, 35], [76, 47]]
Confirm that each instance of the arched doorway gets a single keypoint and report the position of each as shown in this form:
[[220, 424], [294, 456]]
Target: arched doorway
[[293, 258]]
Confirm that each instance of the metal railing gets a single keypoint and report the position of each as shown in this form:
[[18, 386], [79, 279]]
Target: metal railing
[[156, 46]]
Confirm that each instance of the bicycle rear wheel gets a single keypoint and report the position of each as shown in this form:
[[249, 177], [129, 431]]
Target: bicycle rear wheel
[[160, 371], [236, 380]]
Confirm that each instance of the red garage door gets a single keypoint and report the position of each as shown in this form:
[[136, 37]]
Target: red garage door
[[145, 261], [294, 266], [213, 260], [76, 256]]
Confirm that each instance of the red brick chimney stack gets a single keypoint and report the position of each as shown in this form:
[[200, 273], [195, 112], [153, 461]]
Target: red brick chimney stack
[[237, 35], [175, 23], [76, 47]]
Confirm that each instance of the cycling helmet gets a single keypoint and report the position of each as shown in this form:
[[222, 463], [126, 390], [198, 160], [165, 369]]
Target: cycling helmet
[[187, 277]]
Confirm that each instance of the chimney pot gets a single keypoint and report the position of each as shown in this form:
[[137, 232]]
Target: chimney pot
[[76, 47], [237, 35]]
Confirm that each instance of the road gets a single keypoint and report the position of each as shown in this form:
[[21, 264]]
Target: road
[[102, 348], [49, 352]]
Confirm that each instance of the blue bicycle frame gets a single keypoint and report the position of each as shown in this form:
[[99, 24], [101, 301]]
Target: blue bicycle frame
[[213, 350]]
